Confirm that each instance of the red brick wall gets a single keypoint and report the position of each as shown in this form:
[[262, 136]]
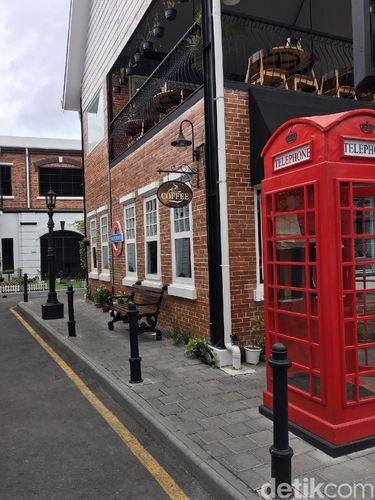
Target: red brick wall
[[18, 173], [140, 169], [18, 176], [241, 215], [34, 178]]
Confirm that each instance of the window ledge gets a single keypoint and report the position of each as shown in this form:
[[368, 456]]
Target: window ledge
[[104, 277], [183, 291], [94, 275], [152, 284], [129, 280], [62, 198], [258, 293], [8, 197]]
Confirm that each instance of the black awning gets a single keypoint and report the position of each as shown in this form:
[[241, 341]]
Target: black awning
[[271, 107]]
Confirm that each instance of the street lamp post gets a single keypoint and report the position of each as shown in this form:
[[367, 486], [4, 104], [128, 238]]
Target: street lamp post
[[52, 309]]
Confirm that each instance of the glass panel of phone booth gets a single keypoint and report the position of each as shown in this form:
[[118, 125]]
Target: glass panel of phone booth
[[357, 202], [291, 256]]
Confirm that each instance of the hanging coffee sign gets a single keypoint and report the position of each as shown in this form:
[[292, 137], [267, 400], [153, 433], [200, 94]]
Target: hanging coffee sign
[[174, 194]]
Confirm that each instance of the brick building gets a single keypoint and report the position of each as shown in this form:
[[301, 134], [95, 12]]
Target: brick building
[[29, 167], [134, 87]]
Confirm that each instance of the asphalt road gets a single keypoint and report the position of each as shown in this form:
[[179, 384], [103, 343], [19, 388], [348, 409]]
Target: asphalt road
[[54, 444]]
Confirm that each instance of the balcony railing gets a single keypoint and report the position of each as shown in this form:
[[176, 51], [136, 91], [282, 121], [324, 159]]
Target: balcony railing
[[176, 77]]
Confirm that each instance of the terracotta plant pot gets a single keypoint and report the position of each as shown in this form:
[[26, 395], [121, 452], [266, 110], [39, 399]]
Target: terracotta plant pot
[[170, 14]]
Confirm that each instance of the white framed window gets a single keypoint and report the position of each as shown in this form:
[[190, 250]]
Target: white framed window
[[182, 253], [152, 246], [93, 249], [95, 121], [259, 291], [130, 242], [104, 243], [182, 248]]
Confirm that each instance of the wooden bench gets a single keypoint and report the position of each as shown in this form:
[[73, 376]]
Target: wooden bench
[[148, 301]]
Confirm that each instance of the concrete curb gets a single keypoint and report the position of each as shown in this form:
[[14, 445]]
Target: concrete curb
[[228, 488]]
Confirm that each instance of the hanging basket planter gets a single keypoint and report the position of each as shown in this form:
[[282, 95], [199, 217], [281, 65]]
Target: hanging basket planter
[[138, 56], [170, 14], [137, 126], [147, 46], [167, 99], [158, 31]]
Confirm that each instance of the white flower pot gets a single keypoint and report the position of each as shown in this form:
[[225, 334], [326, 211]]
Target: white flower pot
[[253, 355]]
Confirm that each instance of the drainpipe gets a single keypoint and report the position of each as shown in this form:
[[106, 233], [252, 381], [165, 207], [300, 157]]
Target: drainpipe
[[223, 193], [216, 167], [27, 161], [212, 181], [84, 188]]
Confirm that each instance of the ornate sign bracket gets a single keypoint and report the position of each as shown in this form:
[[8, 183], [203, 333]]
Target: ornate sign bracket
[[188, 173]]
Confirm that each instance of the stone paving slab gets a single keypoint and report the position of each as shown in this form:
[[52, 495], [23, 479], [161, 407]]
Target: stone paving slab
[[206, 412]]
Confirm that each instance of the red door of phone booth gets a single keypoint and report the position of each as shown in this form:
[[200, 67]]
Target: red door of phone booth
[[318, 212]]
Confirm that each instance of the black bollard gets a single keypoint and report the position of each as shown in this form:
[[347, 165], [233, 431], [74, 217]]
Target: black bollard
[[71, 322], [135, 359], [25, 292], [281, 452]]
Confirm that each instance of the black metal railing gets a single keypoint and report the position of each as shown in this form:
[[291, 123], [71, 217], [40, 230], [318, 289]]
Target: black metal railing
[[176, 77], [244, 36]]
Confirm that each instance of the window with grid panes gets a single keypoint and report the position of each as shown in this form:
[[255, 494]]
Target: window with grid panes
[[130, 250], [64, 181], [357, 215], [104, 242], [151, 237], [93, 245], [182, 246]]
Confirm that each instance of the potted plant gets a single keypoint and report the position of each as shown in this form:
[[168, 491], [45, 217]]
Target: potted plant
[[147, 46], [256, 338], [200, 349], [101, 295], [169, 10], [122, 76], [116, 89], [130, 67], [138, 56], [157, 28]]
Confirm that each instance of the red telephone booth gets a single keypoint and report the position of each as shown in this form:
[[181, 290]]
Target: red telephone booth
[[318, 208]]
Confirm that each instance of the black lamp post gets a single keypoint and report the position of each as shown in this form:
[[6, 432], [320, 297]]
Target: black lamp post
[[52, 309], [182, 142]]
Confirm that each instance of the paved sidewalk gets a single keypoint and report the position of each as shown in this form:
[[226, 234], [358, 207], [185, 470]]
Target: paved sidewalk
[[209, 417]]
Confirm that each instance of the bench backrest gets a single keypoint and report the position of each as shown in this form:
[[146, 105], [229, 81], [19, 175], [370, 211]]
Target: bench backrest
[[146, 295]]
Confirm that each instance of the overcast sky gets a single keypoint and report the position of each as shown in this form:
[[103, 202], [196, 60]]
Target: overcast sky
[[33, 35]]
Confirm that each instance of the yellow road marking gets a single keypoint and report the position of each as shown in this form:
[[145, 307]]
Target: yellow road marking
[[146, 459]]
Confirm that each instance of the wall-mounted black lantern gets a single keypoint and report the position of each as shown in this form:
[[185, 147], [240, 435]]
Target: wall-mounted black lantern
[[182, 142], [52, 309]]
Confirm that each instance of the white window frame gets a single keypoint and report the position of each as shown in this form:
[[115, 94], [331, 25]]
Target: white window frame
[[153, 278], [130, 277], [93, 274], [182, 287], [104, 275], [100, 97], [259, 290]]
